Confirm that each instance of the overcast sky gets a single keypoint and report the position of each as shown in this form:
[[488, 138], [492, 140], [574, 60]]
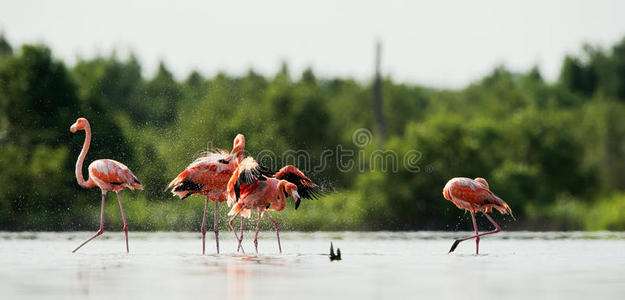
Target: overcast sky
[[438, 43]]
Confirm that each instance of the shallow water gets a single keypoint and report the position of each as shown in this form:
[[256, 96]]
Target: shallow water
[[375, 265]]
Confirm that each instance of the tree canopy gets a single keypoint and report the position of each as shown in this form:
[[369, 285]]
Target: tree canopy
[[554, 151]]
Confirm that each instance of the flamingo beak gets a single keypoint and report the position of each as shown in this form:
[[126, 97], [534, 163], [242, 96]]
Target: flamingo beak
[[231, 157], [228, 159], [297, 199], [74, 128]]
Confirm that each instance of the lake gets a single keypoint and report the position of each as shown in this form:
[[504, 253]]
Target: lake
[[375, 265]]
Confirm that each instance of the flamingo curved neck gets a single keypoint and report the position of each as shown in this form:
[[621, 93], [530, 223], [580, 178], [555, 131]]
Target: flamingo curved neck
[[281, 189], [81, 158], [239, 157]]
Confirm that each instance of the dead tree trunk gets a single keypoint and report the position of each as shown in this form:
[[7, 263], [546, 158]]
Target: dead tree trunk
[[377, 95]]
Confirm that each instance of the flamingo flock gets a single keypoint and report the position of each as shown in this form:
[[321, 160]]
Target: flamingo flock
[[208, 176], [245, 185]]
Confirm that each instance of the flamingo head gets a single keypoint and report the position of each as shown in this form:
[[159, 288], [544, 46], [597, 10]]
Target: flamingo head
[[482, 181], [238, 146], [291, 189], [81, 124], [287, 189]]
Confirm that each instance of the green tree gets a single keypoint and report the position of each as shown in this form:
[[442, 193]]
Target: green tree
[[577, 76], [159, 99], [36, 172], [5, 47]]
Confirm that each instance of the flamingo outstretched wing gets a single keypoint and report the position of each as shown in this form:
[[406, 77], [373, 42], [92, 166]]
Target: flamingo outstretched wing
[[251, 171], [305, 187], [248, 172]]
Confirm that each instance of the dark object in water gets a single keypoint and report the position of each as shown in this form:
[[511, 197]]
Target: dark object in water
[[333, 256]]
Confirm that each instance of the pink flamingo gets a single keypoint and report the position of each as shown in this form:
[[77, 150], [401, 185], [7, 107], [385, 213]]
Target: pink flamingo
[[107, 174], [474, 196], [208, 176], [250, 188]]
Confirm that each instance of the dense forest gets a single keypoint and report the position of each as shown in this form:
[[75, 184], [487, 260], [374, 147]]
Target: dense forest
[[555, 151]]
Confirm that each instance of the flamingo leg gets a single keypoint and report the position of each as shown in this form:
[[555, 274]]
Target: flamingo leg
[[203, 229], [275, 224], [260, 215], [477, 235], [216, 223], [241, 237], [121, 207], [101, 225], [235, 232]]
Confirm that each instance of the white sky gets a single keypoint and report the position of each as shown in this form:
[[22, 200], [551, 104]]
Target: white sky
[[439, 43]]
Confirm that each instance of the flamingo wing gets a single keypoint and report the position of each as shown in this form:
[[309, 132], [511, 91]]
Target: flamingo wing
[[251, 171], [114, 173], [208, 171], [470, 191], [247, 173], [305, 187], [476, 194]]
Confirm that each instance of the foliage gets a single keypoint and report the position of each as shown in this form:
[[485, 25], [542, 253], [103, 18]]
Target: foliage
[[554, 151]]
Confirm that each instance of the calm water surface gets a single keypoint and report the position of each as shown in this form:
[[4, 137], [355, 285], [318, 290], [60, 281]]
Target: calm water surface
[[377, 265]]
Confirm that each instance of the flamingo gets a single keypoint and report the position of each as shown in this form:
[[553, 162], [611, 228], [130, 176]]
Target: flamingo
[[208, 176], [251, 188], [474, 196], [107, 174]]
